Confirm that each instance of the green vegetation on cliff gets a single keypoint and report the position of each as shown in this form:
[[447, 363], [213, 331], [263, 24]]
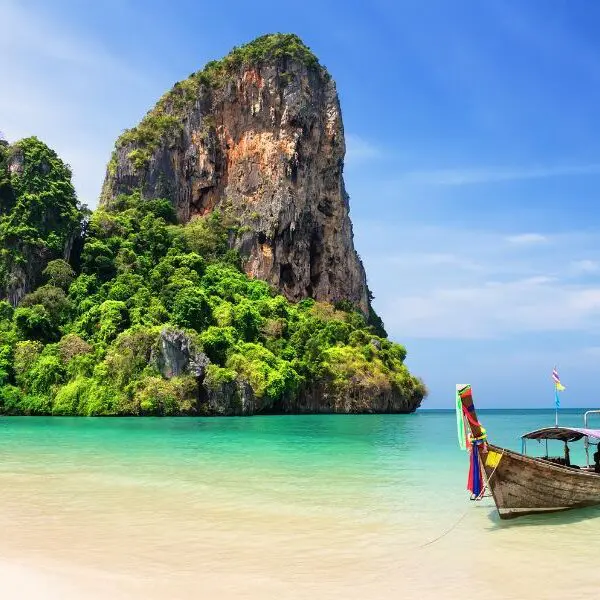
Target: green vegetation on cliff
[[39, 215], [267, 47], [88, 340]]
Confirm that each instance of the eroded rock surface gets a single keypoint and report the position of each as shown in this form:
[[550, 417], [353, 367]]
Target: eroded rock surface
[[262, 139], [174, 355]]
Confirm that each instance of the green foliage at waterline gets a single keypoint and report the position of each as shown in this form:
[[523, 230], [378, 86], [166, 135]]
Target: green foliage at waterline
[[84, 341]]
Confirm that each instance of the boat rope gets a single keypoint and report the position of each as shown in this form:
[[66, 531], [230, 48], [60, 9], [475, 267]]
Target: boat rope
[[486, 484], [458, 521], [439, 537], [494, 471]]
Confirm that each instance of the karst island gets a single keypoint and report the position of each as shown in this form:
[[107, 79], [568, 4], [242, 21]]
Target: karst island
[[217, 275]]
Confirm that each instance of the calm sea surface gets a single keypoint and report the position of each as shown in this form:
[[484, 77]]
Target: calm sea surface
[[275, 507]]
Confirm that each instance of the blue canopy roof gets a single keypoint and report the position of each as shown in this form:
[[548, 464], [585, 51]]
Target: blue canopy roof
[[565, 434]]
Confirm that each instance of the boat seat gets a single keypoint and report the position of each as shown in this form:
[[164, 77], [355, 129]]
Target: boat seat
[[554, 459]]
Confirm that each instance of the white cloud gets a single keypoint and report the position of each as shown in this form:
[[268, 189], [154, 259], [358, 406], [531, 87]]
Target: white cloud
[[60, 84], [475, 175], [359, 150], [495, 310], [585, 266], [28, 31], [527, 238], [476, 286]]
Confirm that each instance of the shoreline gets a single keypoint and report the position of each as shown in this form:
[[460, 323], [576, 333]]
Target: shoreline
[[200, 416]]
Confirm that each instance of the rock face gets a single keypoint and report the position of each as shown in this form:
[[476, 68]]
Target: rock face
[[23, 277], [324, 398], [236, 398], [175, 355], [228, 399], [258, 136]]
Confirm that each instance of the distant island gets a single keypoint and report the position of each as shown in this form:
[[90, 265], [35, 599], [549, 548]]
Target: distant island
[[218, 275]]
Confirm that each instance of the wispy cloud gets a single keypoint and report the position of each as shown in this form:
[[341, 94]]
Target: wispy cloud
[[360, 150], [436, 260], [496, 309], [478, 286], [585, 266], [26, 30], [527, 239], [480, 175], [58, 82]]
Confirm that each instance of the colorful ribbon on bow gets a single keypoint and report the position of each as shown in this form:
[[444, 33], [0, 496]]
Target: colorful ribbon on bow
[[475, 480], [467, 441]]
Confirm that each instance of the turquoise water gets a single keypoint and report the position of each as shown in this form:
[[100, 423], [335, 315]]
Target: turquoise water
[[347, 453], [306, 497]]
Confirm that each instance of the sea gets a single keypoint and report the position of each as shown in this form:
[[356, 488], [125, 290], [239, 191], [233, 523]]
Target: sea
[[276, 507]]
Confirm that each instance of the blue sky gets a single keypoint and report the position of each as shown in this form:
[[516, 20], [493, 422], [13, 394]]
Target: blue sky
[[473, 161]]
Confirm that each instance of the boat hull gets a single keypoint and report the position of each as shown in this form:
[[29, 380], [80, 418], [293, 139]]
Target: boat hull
[[523, 485]]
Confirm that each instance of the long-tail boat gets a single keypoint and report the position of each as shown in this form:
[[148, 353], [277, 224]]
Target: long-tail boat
[[522, 484]]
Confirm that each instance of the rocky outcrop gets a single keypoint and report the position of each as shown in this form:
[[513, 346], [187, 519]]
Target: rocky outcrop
[[174, 354], [325, 398], [258, 136], [235, 398], [229, 398], [24, 274]]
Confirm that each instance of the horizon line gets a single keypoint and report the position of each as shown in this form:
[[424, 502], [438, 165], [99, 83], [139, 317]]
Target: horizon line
[[552, 409]]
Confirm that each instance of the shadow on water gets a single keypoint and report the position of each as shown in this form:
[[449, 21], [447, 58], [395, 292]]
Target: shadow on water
[[565, 517]]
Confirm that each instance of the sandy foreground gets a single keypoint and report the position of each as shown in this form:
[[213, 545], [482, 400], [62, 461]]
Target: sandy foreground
[[59, 582], [23, 582], [81, 538], [67, 537], [128, 564]]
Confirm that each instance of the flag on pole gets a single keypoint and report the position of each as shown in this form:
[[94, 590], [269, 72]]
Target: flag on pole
[[558, 386], [460, 420]]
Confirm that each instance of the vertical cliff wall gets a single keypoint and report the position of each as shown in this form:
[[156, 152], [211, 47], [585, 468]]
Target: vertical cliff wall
[[258, 136]]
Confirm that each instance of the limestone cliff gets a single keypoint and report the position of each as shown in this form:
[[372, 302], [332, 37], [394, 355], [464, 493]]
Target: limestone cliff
[[259, 136]]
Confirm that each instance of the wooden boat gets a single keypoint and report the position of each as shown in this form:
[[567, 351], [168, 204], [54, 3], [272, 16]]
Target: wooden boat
[[521, 484]]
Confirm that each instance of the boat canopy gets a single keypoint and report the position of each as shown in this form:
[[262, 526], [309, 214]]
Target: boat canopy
[[565, 434]]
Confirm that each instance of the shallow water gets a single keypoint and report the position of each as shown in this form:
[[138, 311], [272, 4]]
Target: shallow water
[[274, 507]]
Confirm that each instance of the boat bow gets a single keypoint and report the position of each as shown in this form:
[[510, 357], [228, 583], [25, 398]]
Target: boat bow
[[522, 484]]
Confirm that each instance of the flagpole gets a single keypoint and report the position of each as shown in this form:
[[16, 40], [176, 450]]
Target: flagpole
[[558, 387]]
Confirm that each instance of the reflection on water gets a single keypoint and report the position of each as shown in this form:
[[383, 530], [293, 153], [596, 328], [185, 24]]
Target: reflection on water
[[273, 507]]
